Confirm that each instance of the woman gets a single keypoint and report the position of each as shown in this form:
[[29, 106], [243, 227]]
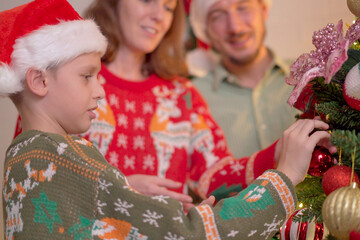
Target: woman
[[154, 125]]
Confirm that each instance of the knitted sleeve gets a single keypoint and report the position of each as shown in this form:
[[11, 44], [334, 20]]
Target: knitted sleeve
[[49, 188], [213, 169], [59, 187], [255, 213]]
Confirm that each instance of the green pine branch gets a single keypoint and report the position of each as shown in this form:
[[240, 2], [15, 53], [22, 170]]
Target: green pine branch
[[339, 116], [328, 92], [353, 59], [347, 141], [312, 196], [330, 237], [344, 122]]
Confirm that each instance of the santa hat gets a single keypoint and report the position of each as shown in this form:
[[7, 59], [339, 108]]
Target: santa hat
[[198, 15], [42, 34]]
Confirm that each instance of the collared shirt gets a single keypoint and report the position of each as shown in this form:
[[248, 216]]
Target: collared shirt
[[251, 119]]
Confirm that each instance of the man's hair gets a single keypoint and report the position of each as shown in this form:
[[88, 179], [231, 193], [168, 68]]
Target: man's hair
[[166, 61]]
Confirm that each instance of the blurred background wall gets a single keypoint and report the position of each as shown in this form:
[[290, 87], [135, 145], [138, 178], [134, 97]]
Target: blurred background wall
[[290, 28]]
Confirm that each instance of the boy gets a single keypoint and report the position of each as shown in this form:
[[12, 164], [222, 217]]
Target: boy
[[60, 187]]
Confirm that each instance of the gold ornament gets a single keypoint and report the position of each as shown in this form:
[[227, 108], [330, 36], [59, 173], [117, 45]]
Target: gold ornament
[[354, 6], [341, 212], [327, 117]]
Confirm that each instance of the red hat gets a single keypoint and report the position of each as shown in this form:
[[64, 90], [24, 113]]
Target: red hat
[[198, 16], [42, 34]]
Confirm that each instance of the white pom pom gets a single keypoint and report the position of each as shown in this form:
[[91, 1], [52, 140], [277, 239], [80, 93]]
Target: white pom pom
[[200, 61], [352, 87], [9, 83]]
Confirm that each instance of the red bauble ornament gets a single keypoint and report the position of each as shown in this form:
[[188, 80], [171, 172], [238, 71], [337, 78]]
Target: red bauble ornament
[[354, 236], [337, 177], [321, 161], [302, 230]]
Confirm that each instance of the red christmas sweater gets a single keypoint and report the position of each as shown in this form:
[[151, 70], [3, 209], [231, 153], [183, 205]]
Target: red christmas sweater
[[164, 128]]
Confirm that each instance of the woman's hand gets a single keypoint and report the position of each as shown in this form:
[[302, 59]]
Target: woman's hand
[[153, 185], [210, 201]]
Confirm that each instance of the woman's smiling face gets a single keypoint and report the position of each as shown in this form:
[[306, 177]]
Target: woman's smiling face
[[144, 23]]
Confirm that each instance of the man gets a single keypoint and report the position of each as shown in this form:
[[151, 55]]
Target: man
[[245, 90]]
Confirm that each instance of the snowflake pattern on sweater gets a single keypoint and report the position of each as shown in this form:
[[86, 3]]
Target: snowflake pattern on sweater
[[61, 187], [164, 128]]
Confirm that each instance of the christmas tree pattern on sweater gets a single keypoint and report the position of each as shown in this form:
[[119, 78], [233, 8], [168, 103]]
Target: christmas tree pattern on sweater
[[61, 187]]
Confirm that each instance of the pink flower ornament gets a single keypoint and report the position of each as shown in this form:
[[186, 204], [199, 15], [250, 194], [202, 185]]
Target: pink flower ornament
[[328, 57]]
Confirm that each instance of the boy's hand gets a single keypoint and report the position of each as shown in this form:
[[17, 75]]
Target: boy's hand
[[153, 185], [297, 145], [325, 142]]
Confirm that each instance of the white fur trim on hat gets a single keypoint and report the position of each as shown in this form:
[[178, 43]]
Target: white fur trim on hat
[[198, 16], [7, 83], [50, 46]]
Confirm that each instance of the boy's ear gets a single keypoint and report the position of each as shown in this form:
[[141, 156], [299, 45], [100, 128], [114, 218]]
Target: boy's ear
[[36, 81]]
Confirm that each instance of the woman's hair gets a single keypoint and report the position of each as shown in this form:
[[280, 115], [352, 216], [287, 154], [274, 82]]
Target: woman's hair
[[167, 60]]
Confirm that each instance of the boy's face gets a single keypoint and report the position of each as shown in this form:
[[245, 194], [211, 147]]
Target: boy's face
[[73, 93]]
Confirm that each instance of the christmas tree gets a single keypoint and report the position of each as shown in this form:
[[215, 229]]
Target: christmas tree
[[327, 85]]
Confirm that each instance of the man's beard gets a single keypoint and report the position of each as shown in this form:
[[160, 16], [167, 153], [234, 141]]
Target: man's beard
[[248, 59], [244, 60]]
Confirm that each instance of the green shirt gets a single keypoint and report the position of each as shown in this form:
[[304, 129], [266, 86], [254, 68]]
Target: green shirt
[[60, 187], [251, 119]]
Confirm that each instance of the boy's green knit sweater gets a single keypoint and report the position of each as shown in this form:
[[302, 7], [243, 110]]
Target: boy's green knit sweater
[[61, 187]]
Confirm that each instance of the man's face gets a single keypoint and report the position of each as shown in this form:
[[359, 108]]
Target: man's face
[[236, 28]]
